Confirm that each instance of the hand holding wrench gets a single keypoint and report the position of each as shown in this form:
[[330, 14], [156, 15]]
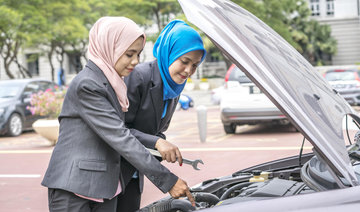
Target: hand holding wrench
[[194, 163]]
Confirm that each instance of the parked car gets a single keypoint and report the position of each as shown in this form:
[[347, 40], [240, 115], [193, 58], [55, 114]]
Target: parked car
[[216, 94], [233, 78], [346, 82], [326, 179], [242, 102], [14, 99]]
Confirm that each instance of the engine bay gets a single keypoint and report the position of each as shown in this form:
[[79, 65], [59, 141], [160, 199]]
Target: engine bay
[[285, 177]]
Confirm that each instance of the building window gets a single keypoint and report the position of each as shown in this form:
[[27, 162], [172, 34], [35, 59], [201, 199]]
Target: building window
[[330, 7], [315, 7], [33, 64]]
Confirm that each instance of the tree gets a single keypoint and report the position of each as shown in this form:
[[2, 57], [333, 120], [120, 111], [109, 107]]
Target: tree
[[19, 21], [65, 30], [290, 18], [150, 12], [313, 40]]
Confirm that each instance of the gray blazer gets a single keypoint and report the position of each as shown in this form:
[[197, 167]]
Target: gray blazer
[[145, 94], [86, 158]]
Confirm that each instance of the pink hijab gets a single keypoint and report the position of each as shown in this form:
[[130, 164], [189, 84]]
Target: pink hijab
[[109, 38]]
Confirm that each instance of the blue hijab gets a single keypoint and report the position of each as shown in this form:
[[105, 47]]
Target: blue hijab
[[175, 40]]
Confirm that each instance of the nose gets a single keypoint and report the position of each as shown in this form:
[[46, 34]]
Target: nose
[[135, 61], [188, 70]]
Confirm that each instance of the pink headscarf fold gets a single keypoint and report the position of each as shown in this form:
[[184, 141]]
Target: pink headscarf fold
[[109, 38]]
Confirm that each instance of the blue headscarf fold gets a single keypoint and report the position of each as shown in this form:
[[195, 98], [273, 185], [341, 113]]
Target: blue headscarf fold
[[175, 40]]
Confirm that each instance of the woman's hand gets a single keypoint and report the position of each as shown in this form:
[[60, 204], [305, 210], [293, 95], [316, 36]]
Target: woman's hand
[[168, 151], [181, 189]]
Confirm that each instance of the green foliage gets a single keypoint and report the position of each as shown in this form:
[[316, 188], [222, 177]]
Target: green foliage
[[291, 19], [19, 23], [57, 27]]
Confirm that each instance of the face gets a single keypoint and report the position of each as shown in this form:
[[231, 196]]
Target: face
[[185, 66], [130, 58]]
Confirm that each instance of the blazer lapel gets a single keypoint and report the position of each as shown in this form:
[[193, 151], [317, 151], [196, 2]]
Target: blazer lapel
[[156, 93], [112, 97], [170, 110]]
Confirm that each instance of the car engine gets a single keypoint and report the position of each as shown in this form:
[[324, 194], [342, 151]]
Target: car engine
[[285, 177]]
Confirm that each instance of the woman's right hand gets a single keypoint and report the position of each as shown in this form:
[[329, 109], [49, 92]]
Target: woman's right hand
[[168, 151], [181, 189]]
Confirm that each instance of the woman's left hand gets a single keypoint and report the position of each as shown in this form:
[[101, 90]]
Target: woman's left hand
[[168, 151]]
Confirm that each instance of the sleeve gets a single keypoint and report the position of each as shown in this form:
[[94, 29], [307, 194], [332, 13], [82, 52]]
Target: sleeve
[[136, 85], [161, 135], [97, 111]]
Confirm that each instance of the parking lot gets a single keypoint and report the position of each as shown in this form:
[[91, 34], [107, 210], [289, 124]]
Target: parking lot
[[24, 159]]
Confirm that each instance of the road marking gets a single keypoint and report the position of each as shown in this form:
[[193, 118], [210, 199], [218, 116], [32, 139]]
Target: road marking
[[266, 139], [182, 149], [217, 138], [20, 175], [242, 149], [25, 151]]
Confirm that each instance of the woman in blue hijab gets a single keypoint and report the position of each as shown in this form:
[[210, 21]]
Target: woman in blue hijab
[[153, 92]]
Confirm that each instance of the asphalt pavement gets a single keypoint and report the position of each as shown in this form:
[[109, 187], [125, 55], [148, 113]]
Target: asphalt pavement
[[30, 140], [24, 159]]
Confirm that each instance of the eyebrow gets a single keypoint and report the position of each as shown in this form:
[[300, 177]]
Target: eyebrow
[[131, 50], [186, 57]]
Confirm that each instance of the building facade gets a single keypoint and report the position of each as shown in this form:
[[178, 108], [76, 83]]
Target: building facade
[[344, 18], [38, 64]]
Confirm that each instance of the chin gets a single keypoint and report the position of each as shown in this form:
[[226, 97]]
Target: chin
[[181, 81], [125, 74]]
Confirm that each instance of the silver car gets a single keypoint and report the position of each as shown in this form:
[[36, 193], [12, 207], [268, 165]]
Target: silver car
[[346, 82], [328, 179]]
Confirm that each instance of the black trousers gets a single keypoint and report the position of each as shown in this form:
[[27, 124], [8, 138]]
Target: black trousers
[[129, 200], [64, 201]]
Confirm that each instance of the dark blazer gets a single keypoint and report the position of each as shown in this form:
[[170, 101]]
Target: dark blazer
[[145, 94], [86, 158]]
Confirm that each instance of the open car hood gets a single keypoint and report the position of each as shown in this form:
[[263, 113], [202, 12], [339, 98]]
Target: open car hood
[[290, 81]]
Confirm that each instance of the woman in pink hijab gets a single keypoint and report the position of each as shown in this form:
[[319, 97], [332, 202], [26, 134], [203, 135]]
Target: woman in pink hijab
[[90, 167]]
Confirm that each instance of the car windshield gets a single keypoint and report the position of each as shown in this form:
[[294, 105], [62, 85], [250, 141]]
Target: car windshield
[[9, 91], [238, 75], [340, 76]]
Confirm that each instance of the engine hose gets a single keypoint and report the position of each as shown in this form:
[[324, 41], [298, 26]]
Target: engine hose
[[233, 188], [206, 197], [168, 205]]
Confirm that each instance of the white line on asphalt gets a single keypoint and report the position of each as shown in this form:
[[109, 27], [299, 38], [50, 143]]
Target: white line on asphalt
[[242, 149], [24, 151], [20, 175], [182, 149], [216, 138]]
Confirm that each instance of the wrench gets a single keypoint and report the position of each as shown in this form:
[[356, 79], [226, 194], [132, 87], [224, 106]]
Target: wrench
[[194, 163]]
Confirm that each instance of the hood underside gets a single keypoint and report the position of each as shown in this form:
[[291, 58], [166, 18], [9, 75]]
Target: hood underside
[[283, 74]]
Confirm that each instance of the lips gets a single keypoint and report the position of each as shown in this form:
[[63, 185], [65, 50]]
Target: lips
[[183, 77]]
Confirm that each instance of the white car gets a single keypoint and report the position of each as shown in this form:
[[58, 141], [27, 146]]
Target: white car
[[242, 102]]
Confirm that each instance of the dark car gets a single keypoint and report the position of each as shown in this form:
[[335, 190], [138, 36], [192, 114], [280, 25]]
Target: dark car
[[326, 179], [14, 99], [346, 82]]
